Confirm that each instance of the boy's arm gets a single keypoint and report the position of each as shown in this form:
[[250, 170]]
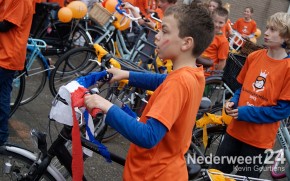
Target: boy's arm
[[267, 114], [145, 135], [221, 65], [236, 97], [148, 81]]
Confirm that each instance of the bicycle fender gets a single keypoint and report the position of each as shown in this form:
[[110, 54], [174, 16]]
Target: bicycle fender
[[28, 154]]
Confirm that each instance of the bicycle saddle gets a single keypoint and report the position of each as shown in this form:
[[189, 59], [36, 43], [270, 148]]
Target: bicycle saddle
[[205, 103], [50, 6]]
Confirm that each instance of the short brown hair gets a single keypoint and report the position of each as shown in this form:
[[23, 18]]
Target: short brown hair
[[193, 22], [221, 11]]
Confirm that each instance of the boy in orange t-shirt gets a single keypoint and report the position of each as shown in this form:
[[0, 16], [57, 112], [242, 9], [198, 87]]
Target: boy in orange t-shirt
[[15, 23], [218, 50], [163, 135], [263, 100], [246, 26]]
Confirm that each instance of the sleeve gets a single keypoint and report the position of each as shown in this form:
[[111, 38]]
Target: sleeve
[[223, 50], [153, 80], [145, 135], [254, 29], [235, 26], [171, 99], [285, 93], [268, 114], [15, 12], [236, 97]]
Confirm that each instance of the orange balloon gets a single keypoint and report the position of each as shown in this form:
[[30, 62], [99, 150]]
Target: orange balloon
[[65, 14], [78, 8], [122, 22], [258, 33]]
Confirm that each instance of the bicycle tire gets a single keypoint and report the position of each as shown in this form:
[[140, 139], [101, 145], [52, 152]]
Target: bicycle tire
[[18, 87], [277, 171], [19, 165], [35, 79], [70, 66], [215, 135]]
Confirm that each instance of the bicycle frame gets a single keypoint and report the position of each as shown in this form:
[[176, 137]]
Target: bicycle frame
[[35, 46]]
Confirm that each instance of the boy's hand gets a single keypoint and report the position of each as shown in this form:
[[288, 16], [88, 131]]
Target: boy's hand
[[230, 111], [234, 113], [96, 101], [118, 74], [229, 106]]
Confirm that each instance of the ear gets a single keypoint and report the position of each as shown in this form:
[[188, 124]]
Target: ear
[[188, 43]]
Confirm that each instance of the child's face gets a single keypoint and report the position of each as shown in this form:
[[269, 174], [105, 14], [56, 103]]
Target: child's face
[[167, 40], [219, 22], [272, 37], [247, 13], [212, 6]]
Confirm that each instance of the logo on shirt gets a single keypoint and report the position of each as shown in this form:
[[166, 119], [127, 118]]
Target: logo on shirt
[[259, 84], [245, 29]]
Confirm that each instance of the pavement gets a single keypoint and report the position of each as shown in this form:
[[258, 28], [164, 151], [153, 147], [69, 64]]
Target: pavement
[[34, 115]]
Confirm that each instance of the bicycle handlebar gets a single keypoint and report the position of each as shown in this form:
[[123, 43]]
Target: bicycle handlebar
[[36, 43]]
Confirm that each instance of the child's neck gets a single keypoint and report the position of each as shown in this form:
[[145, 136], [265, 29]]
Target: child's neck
[[277, 54], [248, 19], [182, 61]]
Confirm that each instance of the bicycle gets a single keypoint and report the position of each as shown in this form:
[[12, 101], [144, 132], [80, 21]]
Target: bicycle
[[61, 37], [78, 62]]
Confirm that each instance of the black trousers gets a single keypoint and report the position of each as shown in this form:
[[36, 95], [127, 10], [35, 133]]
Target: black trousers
[[247, 159]]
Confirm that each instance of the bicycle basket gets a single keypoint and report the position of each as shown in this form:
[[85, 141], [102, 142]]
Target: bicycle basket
[[249, 47], [232, 69], [99, 14]]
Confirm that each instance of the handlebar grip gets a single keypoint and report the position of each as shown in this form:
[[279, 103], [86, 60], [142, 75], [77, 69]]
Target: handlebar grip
[[97, 113]]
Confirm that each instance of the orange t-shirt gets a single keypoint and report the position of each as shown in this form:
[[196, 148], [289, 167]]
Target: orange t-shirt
[[13, 43], [142, 5], [265, 81], [244, 27], [218, 49], [175, 104], [227, 28]]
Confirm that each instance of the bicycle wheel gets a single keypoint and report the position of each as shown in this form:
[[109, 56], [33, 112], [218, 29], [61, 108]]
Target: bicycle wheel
[[35, 79], [71, 65], [278, 168], [18, 87], [15, 166], [215, 135]]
